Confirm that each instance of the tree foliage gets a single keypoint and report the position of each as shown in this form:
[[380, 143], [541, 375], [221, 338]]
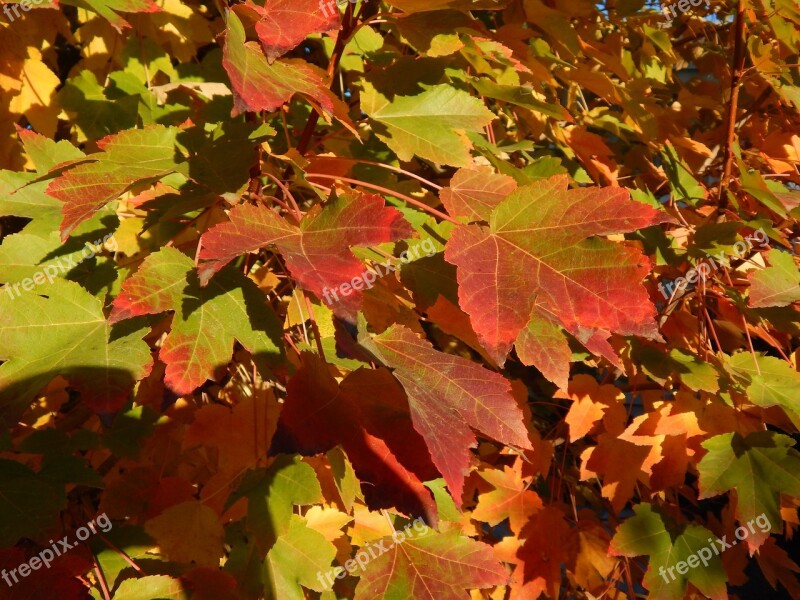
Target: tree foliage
[[281, 278]]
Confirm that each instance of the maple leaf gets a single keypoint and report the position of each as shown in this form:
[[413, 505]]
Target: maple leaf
[[151, 586], [667, 544], [367, 414], [430, 125], [46, 153], [778, 284], [62, 576], [272, 494], [110, 9], [189, 532], [59, 328], [592, 403], [511, 499], [538, 261], [447, 395], [666, 438], [295, 559], [206, 321], [259, 85], [327, 521], [286, 23], [35, 98], [618, 463], [769, 381], [457, 107], [29, 502], [237, 436], [127, 158], [474, 193], [437, 566], [592, 562], [549, 543], [759, 467], [777, 566], [317, 253]]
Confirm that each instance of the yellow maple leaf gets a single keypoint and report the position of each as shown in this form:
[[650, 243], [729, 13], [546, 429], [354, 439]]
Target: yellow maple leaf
[[37, 96]]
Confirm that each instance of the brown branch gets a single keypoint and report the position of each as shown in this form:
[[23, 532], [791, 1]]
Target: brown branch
[[336, 56], [736, 76]]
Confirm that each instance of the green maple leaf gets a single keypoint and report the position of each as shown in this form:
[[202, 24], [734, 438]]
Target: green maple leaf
[[110, 9], [759, 467], [59, 328], [430, 125], [207, 319], [46, 153], [30, 504], [38, 246], [520, 96], [651, 533], [295, 559], [22, 196], [96, 113], [778, 284], [152, 587], [769, 381], [272, 494]]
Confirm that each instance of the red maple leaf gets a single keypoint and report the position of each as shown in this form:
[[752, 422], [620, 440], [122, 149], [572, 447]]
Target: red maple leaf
[[540, 264], [317, 253], [283, 24], [448, 395]]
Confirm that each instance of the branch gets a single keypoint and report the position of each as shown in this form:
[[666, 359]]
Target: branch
[[336, 56], [736, 77]]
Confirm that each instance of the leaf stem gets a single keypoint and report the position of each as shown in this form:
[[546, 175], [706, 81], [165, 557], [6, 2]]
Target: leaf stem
[[399, 170], [314, 327], [122, 553], [389, 192], [101, 579], [287, 194]]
